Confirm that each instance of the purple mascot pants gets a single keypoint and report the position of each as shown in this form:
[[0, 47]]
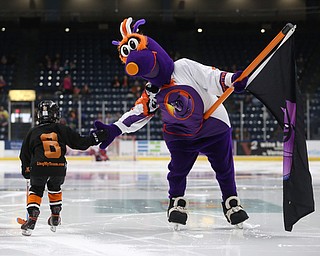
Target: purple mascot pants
[[217, 148]]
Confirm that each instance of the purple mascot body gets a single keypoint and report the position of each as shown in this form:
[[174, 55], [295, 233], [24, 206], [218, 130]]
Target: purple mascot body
[[183, 91]]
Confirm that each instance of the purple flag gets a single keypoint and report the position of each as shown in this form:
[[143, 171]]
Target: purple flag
[[275, 85]]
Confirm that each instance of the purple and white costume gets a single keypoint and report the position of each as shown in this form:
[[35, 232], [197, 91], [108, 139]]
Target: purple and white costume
[[183, 103], [183, 91]]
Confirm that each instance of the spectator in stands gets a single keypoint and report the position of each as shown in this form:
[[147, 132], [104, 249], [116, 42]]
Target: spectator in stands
[[4, 116], [72, 120], [67, 84], [236, 134], [3, 90], [99, 154], [116, 82], [47, 62], [109, 118], [66, 65], [73, 64], [56, 62], [85, 90], [76, 91], [135, 90], [117, 115], [125, 81], [99, 117]]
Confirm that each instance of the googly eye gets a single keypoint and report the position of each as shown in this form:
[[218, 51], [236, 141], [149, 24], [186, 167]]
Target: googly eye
[[133, 43], [124, 50]]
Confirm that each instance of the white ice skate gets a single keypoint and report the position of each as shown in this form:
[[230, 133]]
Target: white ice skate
[[177, 212], [53, 222], [234, 212], [26, 232]]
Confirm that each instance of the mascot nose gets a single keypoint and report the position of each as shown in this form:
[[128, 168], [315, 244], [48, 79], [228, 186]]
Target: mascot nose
[[132, 68]]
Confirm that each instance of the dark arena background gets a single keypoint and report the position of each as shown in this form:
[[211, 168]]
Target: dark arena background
[[115, 201], [44, 41]]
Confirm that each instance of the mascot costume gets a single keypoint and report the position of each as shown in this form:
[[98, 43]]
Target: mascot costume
[[183, 91]]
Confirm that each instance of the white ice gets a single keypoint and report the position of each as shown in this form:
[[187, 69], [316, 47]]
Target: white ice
[[119, 208]]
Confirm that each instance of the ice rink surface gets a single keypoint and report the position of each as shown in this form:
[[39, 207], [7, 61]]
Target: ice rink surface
[[119, 208]]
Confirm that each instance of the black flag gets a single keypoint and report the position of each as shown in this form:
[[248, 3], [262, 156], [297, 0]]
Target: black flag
[[274, 83]]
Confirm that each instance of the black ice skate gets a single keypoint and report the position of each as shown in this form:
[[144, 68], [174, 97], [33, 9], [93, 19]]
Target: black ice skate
[[54, 220], [29, 225], [177, 211], [234, 212]]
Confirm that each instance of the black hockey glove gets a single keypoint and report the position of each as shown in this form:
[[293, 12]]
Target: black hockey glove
[[26, 172], [98, 136]]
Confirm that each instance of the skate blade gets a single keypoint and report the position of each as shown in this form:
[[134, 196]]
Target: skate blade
[[176, 226], [239, 226], [53, 228], [27, 232]]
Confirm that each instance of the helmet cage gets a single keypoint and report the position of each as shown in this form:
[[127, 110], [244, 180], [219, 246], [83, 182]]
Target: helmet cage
[[48, 112]]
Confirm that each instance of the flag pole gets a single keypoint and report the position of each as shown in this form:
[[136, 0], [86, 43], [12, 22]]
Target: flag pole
[[275, 41]]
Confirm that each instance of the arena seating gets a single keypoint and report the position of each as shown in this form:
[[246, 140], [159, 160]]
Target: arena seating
[[91, 59]]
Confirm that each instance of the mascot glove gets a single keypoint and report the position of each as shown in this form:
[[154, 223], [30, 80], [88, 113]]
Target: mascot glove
[[112, 132], [98, 136], [239, 86]]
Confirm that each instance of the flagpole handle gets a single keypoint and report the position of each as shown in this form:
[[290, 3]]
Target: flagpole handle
[[218, 102], [263, 54]]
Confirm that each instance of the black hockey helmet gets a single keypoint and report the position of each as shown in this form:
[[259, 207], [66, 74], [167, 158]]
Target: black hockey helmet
[[48, 112]]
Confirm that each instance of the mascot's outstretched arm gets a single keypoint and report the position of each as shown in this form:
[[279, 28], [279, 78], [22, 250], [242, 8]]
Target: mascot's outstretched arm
[[133, 120]]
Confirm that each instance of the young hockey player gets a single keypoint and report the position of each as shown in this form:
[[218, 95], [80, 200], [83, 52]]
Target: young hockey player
[[43, 161], [183, 90]]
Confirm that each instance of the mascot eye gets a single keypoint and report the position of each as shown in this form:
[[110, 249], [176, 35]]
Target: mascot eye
[[133, 43], [125, 50]]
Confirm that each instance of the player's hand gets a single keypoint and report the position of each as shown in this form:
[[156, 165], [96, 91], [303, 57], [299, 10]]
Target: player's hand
[[112, 131], [239, 86], [26, 173]]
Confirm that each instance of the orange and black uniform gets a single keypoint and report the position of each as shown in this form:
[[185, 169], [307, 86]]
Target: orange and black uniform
[[43, 153]]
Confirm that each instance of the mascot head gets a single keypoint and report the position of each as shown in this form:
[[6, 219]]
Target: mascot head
[[142, 56]]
